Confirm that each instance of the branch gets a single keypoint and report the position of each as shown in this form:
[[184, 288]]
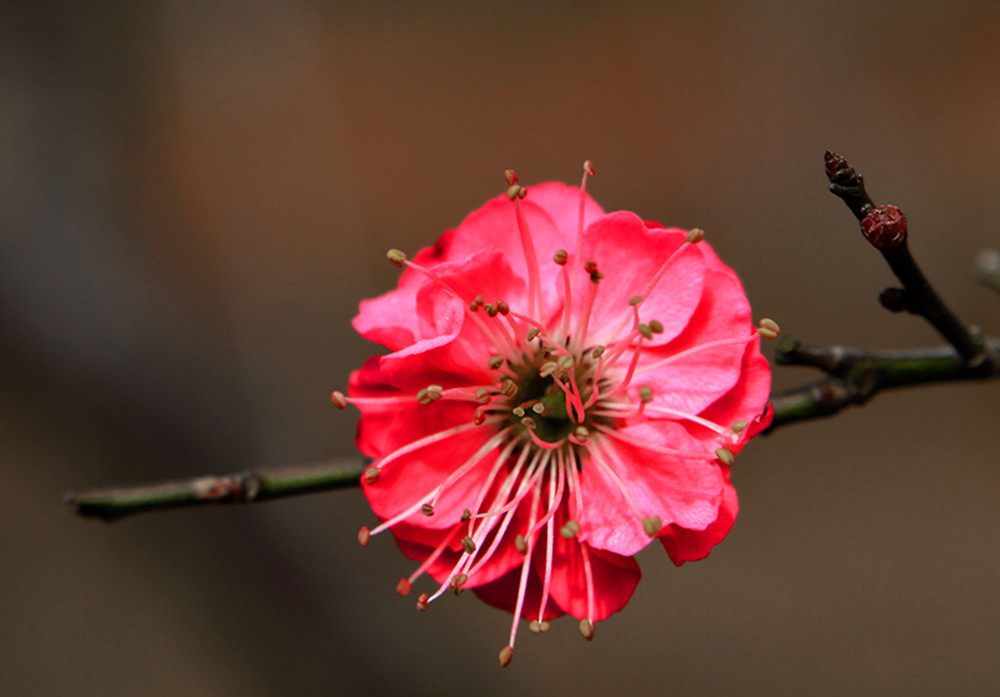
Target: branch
[[855, 376], [242, 487], [885, 228]]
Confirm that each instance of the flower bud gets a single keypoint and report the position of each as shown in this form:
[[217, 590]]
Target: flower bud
[[884, 227]]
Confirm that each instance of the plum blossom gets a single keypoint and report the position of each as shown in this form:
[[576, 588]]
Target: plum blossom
[[563, 386]]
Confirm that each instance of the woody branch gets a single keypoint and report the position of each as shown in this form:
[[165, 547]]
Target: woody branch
[[852, 376]]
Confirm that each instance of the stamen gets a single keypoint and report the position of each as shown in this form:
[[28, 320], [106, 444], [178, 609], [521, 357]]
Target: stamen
[[768, 328], [652, 525], [364, 534], [587, 629], [404, 587], [422, 602], [695, 235], [371, 475], [530, 257], [339, 399], [427, 509]]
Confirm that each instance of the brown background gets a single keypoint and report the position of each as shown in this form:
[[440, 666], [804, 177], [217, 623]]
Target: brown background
[[195, 197]]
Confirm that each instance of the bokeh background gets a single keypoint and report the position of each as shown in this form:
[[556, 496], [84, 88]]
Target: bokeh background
[[196, 196]]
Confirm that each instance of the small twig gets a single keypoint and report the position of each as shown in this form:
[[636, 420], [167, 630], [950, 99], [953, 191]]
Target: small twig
[[242, 487], [885, 228], [855, 376]]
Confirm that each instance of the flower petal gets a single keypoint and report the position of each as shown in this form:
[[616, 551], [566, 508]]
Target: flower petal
[[691, 545]]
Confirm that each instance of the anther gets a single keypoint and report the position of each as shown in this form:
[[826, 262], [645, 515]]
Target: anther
[[535, 626], [457, 582], [495, 362], [483, 395], [371, 475], [548, 368], [466, 514], [468, 544], [695, 235], [588, 167], [646, 394], [635, 300], [645, 330], [473, 306], [581, 433], [506, 654], [560, 257], [511, 177], [364, 534], [538, 408], [521, 544], [739, 426], [427, 509], [533, 332], [565, 362], [725, 457], [480, 418], [529, 422], [768, 328], [396, 256], [508, 387], [503, 308], [422, 600], [403, 587], [570, 529], [514, 192], [590, 266], [587, 629], [652, 525], [491, 309], [522, 192], [597, 351], [479, 300], [339, 399], [518, 411], [656, 326]]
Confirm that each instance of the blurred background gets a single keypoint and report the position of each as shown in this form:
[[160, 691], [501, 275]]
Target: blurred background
[[194, 197]]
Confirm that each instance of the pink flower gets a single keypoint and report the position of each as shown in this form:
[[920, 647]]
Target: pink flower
[[564, 385]]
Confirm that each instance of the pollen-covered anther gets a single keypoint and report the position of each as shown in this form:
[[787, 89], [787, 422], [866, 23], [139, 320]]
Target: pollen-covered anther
[[468, 544], [532, 333], [646, 394], [371, 475], [473, 306], [547, 368], [364, 534], [491, 309], [635, 300], [645, 330], [483, 395], [466, 514], [503, 308], [725, 457], [656, 326], [560, 257], [590, 266], [457, 583], [396, 256], [588, 167], [652, 525], [521, 544], [427, 509], [506, 655], [495, 362], [538, 408], [508, 387], [480, 418], [339, 399], [739, 426], [535, 626], [529, 423], [422, 601], [403, 587], [597, 351], [695, 235], [570, 529], [565, 362], [581, 435], [514, 192], [768, 328], [511, 177], [587, 629], [431, 393]]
